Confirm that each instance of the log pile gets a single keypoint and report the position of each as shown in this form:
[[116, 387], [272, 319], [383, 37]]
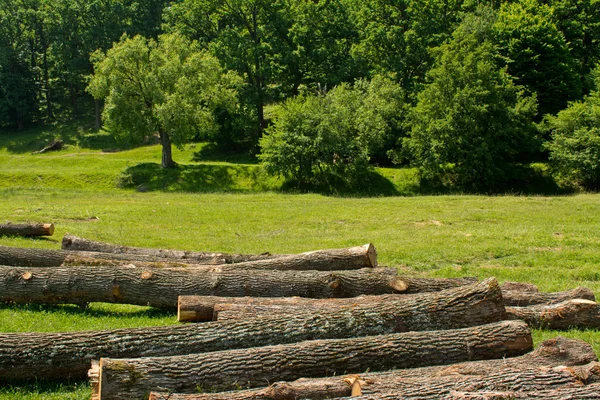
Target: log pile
[[304, 321]]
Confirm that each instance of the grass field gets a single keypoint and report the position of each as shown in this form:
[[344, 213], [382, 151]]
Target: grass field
[[228, 204]]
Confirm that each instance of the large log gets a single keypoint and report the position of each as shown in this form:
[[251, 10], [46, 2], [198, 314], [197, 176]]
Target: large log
[[27, 229], [577, 313], [60, 355], [161, 287], [227, 370], [587, 392], [524, 299], [324, 260], [552, 352]]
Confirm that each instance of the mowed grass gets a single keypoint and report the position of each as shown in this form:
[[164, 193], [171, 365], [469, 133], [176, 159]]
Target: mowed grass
[[553, 242]]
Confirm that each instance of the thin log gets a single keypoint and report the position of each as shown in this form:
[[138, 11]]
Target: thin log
[[324, 260], [61, 355], [161, 287], [226, 370], [552, 352], [26, 229], [408, 285], [524, 299], [54, 146], [577, 313]]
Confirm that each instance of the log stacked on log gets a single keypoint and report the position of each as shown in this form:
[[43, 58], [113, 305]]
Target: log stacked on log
[[26, 229], [70, 354]]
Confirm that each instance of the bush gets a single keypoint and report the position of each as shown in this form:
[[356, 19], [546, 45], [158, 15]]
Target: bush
[[327, 140], [575, 145]]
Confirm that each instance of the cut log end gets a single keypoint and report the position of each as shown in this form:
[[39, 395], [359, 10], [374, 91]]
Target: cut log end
[[94, 375], [399, 285], [371, 255]]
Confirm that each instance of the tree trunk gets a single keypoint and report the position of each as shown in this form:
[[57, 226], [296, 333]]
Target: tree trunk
[[419, 285], [63, 355], [588, 392], [228, 370], [207, 308], [161, 287], [97, 114], [559, 351], [523, 299], [75, 243], [324, 260], [509, 286], [167, 155], [27, 229], [576, 313]]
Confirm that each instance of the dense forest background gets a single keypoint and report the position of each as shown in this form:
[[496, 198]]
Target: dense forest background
[[467, 91]]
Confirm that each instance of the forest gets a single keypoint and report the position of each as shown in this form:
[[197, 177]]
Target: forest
[[472, 93]]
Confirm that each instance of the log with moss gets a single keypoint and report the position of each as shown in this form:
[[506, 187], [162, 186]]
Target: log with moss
[[576, 313], [553, 352], [253, 367], [26, 229], [68, 354]]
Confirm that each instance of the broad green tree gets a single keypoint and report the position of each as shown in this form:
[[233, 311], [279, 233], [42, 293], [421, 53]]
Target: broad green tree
[[536, 54], [470, 123], [170, 87], [575, 145]]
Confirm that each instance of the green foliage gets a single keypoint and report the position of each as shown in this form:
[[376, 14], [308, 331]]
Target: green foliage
[[536, 54], [170, 87], [471, 123], [325, 140], [575, 145]]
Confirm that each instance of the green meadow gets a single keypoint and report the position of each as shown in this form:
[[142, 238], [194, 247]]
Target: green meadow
[[222, 202]]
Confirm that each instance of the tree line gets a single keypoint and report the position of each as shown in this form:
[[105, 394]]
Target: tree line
[[465, 90]]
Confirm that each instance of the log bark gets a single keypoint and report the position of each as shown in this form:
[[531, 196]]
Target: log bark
[[577, 313], [408, 285], [60, 355], [324, 260], [558, 351], [510, 286], [75, 243], [161, 287], [588, 392], [524, 299], [135, 377], [27, 229]]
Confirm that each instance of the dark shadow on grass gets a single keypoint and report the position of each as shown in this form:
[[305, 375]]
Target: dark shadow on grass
[[212, 152], [42, 387], [71, 133], [369, 184], [194, 178]]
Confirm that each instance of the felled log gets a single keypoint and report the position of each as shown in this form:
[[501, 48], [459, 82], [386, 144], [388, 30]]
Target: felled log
[[54, 146], [576, 313], [587, 392], [325, 260], [161, 287], [523, 299], [553, 352], [408, 285], [27, 229], [60, 355], [510, 286], [253, 367]]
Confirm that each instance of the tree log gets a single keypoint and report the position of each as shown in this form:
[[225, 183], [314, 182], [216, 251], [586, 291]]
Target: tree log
[[588, 392], [26, 229], [161, 287], [325, 260], [524, 299], [226, 370], [553, 352], [577, 313], [509, 286], [60, 355], [408, 285]]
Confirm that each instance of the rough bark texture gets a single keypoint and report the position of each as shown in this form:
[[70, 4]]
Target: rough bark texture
[[75, 243], [523, 299], [588, 392], [552, 352], [519, 287], [408, 285], [202, 308], [27, 229], [577, 313], [161, 287], [60, 355], [134, 378]]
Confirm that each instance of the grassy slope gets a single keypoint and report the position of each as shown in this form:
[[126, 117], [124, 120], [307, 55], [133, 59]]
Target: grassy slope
[[553, 242]]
